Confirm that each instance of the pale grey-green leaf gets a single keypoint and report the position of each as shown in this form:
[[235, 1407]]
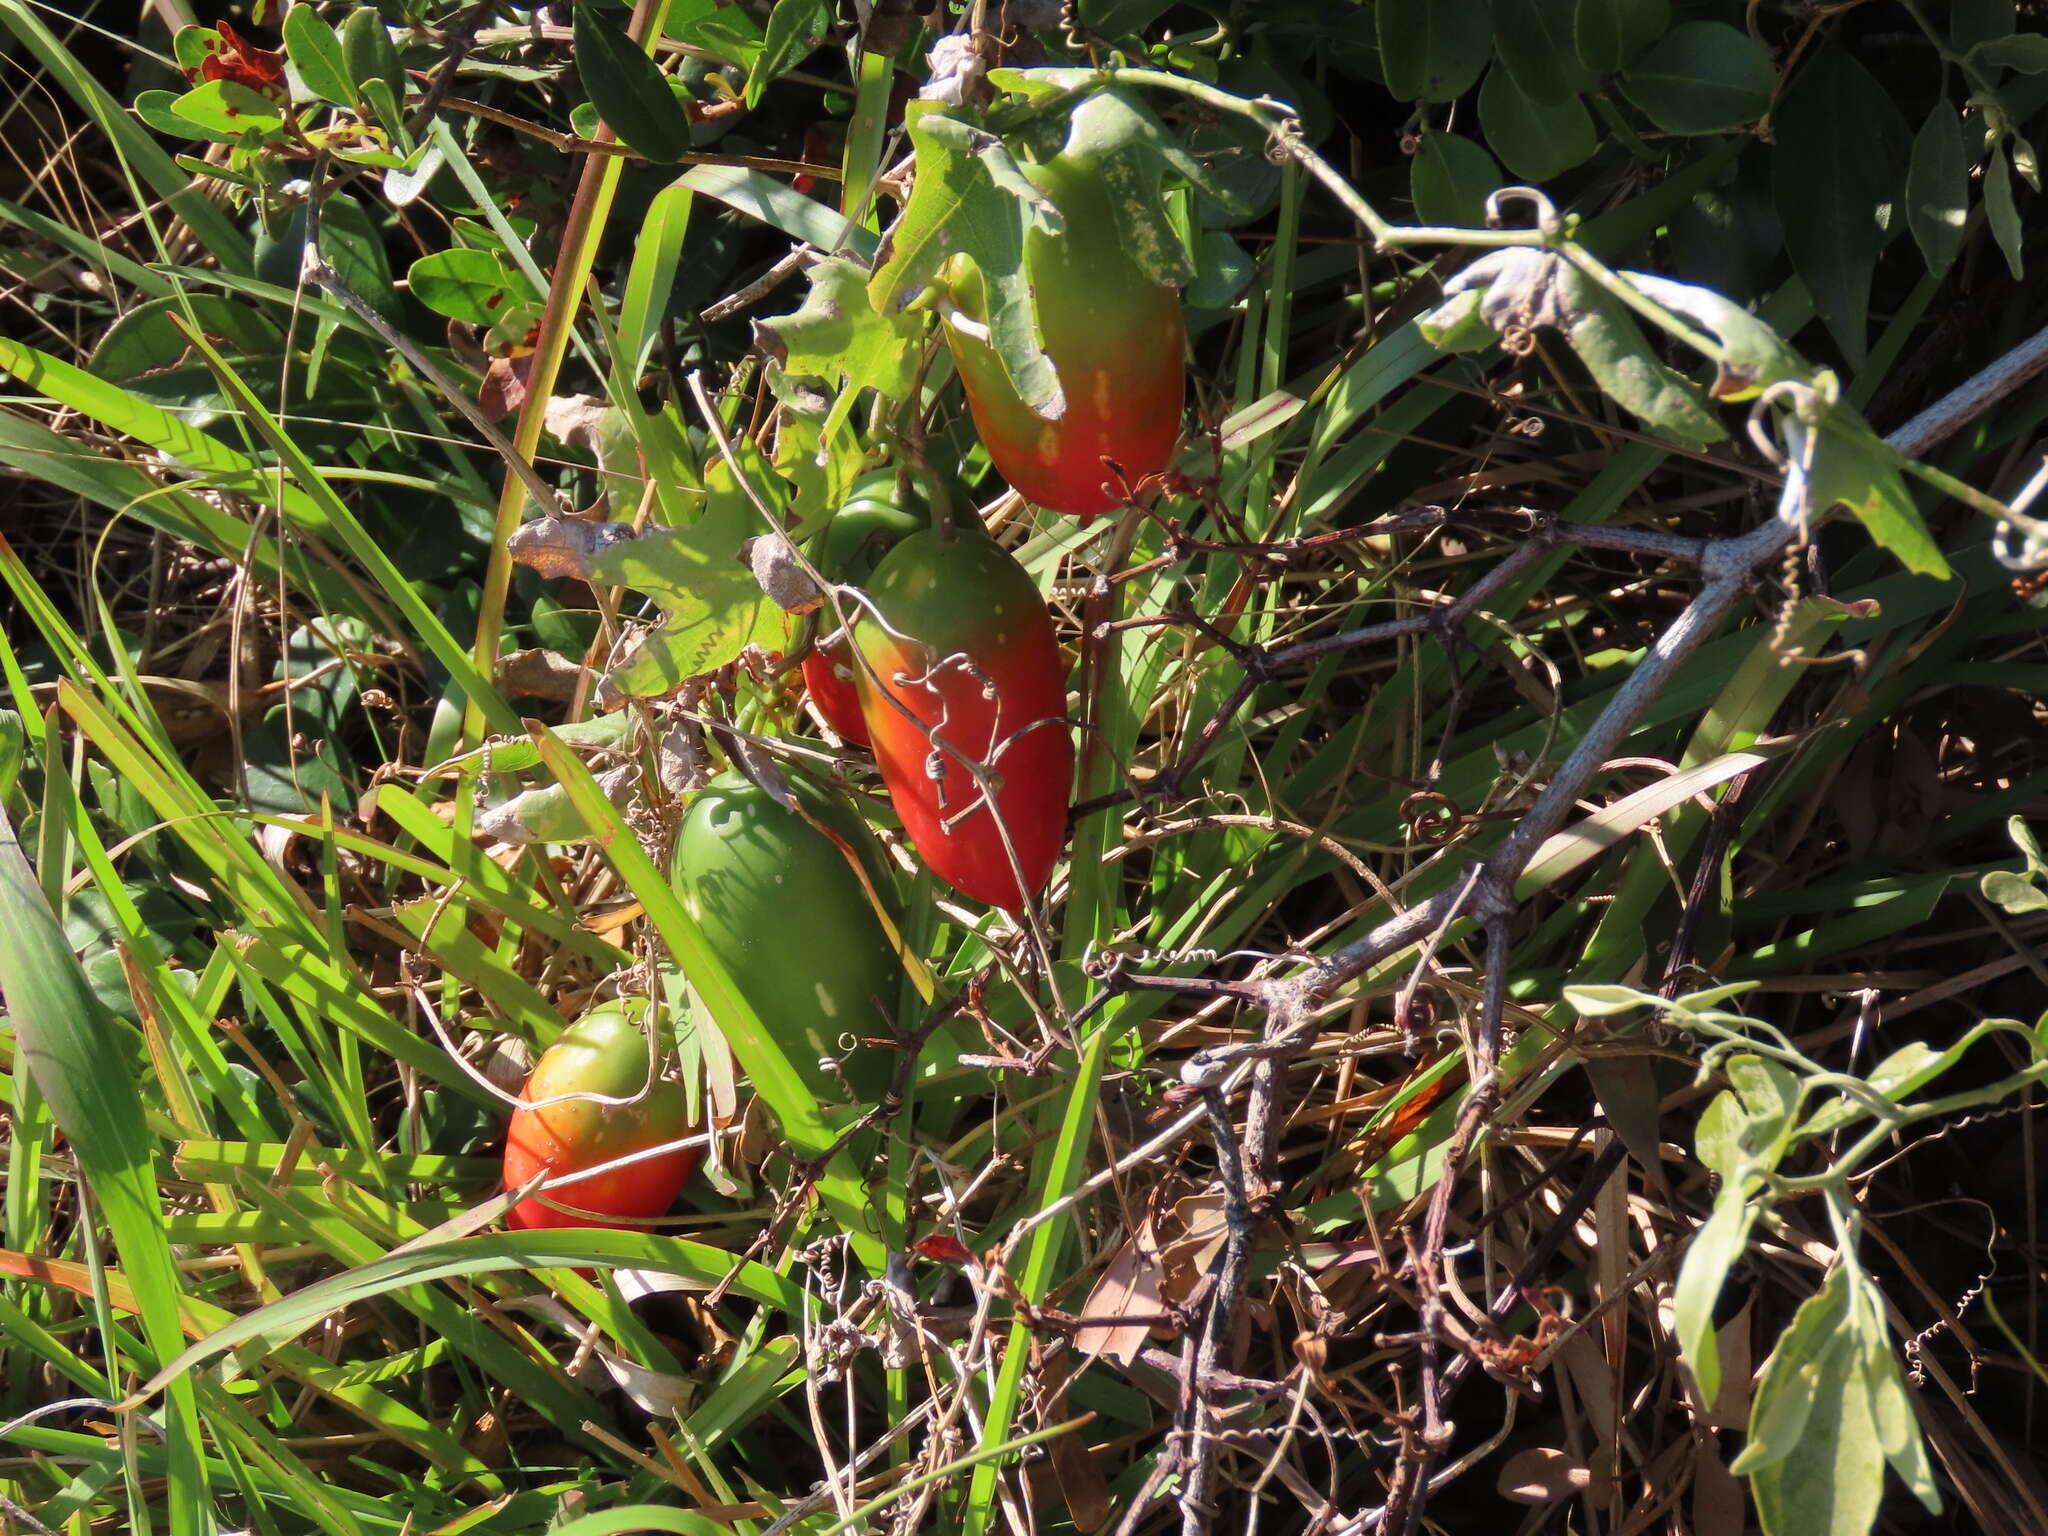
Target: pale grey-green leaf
[[1938, 187]]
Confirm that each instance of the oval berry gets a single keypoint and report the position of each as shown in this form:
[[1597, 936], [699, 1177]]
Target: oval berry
[[604, 1052], [966, 659]]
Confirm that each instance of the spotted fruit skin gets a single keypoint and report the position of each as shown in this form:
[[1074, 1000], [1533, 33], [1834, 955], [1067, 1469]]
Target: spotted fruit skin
[[788, 916], [1116, 340], [604, 1052], [967, 652]]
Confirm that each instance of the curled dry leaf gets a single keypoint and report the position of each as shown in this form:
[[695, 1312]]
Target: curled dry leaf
[[564, 546], [1129, 1288], [685, 767], [1186, 1258], [956, 71], [772, 558], [577, 420], [1542, 1475], [763, 770], [504, 386], [659, 1393], [539, 674]]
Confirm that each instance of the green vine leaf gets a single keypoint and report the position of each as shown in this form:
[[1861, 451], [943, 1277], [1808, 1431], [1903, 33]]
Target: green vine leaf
[[973, 198], [1789, 1385], [1938, 187], [1837, 177], [1432, 50], [1610, 33], [1450, 179], [1537, 140], [1533, 38], [712, 607], [837, 336], [1702, 77], [1712, 1253], [970, 198], [1854, 468]]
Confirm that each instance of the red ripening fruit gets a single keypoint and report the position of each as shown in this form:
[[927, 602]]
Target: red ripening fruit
[[967, 648], [604, 1052], [878, 511], [828, 677], [1115, 339]]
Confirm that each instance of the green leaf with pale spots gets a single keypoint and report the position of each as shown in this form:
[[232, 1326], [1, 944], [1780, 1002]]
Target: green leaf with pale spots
[[837, 336], [969, 198], [712, 607], [973, 198]]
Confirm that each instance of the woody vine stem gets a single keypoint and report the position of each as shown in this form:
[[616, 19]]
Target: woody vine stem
[[1786, 417]]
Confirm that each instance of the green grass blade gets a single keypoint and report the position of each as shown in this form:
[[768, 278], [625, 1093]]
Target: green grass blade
[[65, 1037]]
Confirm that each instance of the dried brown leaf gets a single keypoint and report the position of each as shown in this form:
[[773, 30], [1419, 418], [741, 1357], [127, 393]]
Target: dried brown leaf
[[1129, 1287], [1542, 1475]]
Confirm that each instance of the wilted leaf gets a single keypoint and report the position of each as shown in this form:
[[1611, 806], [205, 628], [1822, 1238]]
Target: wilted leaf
[[504, 386], [1524, 289], [659, 1393], [538, 673], [1753, 355], [548, 815], [969, 198], [1456, 325], [564, 546], [1542, 1475], [578, 421], [1128, 1287]]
